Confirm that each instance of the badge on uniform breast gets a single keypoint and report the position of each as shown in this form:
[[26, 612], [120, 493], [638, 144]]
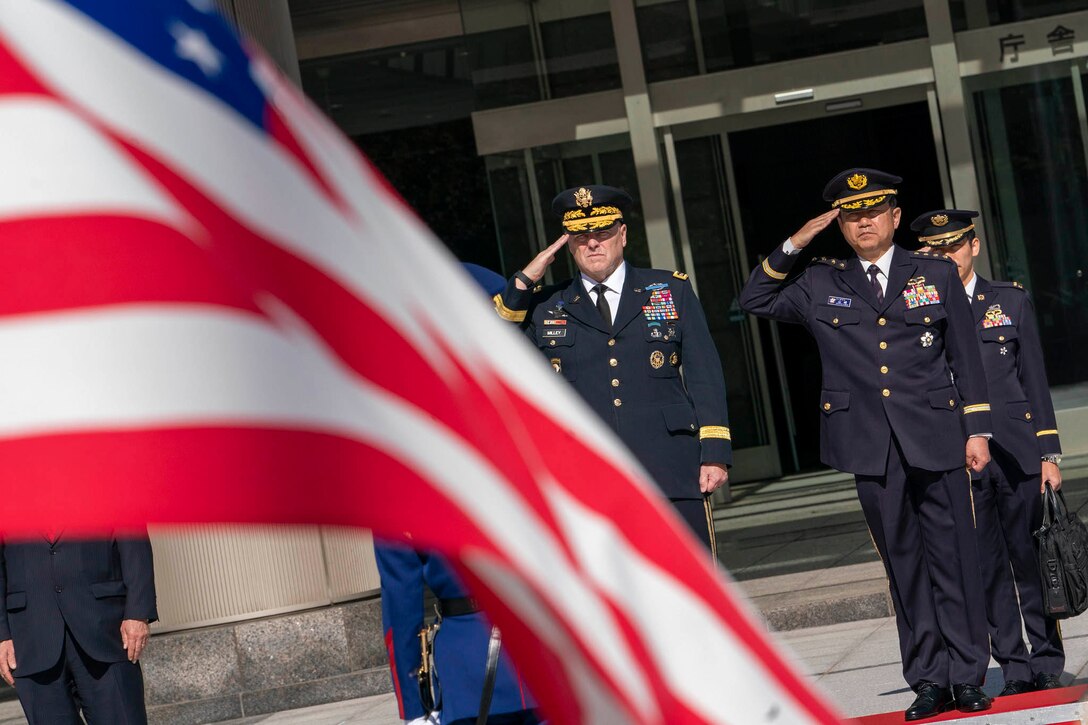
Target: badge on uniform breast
[[557, 365], [674, 359], [926, 339], [557, 311], [660, 306], [557, 332], [920, 294], [657, 359], [995, 317], [655, 329], [840, 301]]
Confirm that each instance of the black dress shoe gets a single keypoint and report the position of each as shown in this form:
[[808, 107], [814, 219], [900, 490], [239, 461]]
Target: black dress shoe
[[970, 698], [1044, 681], [1016, 687], [932, 700]]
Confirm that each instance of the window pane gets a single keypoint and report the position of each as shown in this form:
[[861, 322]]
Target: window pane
[[665, 34], [971, 14], [1036, 184], [580, 54], [740, 33]]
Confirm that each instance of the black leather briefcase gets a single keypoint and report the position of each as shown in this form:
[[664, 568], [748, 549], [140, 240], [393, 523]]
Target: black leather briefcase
[[1063, 557]]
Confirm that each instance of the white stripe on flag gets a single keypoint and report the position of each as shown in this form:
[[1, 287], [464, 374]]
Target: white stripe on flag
[[674, 621], [54, 163]]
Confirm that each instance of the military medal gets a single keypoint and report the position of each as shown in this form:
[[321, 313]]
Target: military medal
[[657, 359], [920, 294], [557, 365], [1004, 350], [661, 305], [674, 359], [926, 339], [995, 317]]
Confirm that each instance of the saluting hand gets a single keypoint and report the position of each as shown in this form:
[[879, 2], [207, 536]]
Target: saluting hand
[[712, 476], [805, 234], [978, 453], [134, 635], [540, 263], [1051, 475], [7, 661]]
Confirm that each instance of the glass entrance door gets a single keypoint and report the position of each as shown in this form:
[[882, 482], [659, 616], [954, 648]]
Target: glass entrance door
[[775, 174]]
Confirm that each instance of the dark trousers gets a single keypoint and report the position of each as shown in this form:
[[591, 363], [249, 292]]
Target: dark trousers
[[108, 693], [699, 517], [923, 527], [1009, 509]]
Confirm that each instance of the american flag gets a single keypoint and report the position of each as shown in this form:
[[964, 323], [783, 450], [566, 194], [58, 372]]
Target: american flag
[[214, 310]]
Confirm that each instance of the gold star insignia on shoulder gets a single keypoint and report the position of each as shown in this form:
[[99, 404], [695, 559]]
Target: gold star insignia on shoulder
[[679, 275], [1017, 285], [538, 288]]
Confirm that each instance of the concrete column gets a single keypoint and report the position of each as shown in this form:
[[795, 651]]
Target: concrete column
[[951, 103], [269, 23], [644, 146]]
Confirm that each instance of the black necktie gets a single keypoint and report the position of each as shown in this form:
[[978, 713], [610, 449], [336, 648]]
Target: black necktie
[[873, 272], [602, 305]]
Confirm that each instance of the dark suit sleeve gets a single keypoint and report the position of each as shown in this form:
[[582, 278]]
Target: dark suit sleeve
[[705, 381], [401, 572], [5, 630], [138, 573], [1032, 373], [765, 294], [964, 356]]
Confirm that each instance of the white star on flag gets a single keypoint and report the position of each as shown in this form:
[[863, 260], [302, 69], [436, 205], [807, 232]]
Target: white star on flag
[[194, 45]]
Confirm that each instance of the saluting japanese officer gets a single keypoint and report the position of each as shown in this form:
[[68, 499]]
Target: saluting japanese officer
[[620, 335], [1026, 453], [894, 331]]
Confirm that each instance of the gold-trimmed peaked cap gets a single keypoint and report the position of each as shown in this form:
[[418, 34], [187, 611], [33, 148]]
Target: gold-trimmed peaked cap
[[861, 189], [945, 227], [591, 208]]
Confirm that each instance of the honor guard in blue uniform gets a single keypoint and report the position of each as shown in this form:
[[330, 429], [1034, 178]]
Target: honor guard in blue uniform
[[635, 345], [455, 664], [902, 381], [1026, 453]]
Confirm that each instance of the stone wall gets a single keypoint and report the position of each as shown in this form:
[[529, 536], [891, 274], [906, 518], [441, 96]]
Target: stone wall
[[261, 666]]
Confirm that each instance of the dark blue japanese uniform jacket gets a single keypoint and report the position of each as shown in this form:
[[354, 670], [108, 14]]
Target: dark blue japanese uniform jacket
[[1024, 425], [630, 376], [888, 367]]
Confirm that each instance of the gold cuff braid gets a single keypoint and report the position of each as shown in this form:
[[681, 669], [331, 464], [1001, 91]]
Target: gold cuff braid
[[715, 431], [506, 313]]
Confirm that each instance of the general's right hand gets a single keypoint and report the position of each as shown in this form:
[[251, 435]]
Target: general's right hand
[[805, 234], [540, 264], [7, 661]]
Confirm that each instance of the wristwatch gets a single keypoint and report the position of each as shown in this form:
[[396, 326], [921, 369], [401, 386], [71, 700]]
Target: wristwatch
[[524, 278], [1056, 460]]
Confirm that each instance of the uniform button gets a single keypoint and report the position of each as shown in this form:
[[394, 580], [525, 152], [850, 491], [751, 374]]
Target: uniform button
[[617, 402], [1001, 338], [691, 426], [951, 403], [613, 362], [926, 320], [827, 406], [52, 551], [882, 321], [611, 343], [1027, 416], [615, 383], [835, 321], [551, 342], [885, 392], [883, 345], [884, 369]]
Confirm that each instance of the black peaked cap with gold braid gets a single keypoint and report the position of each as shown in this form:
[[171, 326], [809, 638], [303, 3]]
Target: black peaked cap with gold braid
[[945, 227], [591, 208], [861, 189]]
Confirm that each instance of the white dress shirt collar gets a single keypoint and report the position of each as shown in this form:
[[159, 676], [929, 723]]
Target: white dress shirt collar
[[614, 281], [969, 288], [884, 263]]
